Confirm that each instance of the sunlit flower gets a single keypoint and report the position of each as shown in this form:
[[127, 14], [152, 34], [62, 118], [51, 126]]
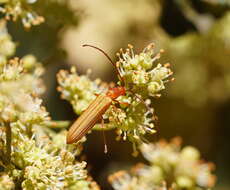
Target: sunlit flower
[[139, 72]]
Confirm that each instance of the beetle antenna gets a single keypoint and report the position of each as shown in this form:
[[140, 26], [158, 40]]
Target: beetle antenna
[[99, 49], [102, 51]]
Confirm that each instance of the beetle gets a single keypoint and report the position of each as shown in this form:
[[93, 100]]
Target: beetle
[[97, 108], [93, 114]]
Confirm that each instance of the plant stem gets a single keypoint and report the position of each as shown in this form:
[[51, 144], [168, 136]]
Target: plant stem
[[57, 124], [8, 141]]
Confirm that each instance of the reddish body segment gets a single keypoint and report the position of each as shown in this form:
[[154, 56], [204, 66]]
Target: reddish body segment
[[93, 114]]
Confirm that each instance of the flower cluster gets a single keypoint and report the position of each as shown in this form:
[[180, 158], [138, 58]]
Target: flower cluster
[[26, 72], [41, 162], [6, 182], [14, 9], [78, 90], [43, 170], [139, 72], [170, 166], [44, 163], [7, 46], [29, 12], [19, 79], [122, 180], [32, 156], [132, 120], [16, 89], [132, 116]]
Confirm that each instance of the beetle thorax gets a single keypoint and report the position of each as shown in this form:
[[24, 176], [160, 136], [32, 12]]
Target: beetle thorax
[[115, 92]]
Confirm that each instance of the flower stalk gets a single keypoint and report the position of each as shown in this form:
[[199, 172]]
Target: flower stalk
[[8, 141]]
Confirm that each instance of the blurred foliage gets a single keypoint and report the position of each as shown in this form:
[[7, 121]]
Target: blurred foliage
[[199, 57], [171, 167]]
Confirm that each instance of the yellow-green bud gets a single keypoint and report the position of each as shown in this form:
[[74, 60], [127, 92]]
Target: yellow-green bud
[[134, 62], [153, 87], [140, 77], [146, 61], [184, 182], [157, 174], [29, 61], [190, 153]]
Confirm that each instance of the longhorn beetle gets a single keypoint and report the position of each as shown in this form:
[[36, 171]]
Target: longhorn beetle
[[97, 108]]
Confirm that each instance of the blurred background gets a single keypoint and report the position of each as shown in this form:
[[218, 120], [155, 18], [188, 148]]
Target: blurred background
[[196, 37]]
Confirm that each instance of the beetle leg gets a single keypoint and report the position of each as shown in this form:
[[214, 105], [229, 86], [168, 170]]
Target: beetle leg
[[123, 103], [104, 138]]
